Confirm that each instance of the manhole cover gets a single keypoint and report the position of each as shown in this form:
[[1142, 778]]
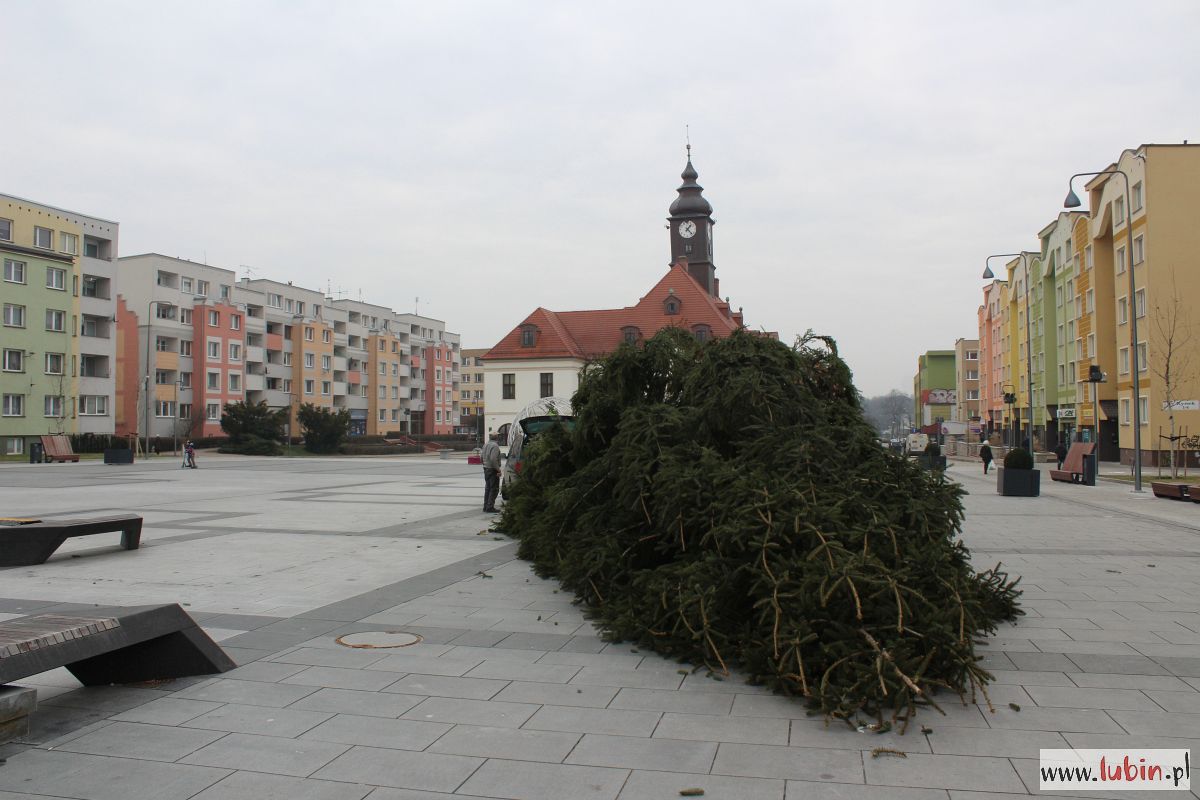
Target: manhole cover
[[378, 639]]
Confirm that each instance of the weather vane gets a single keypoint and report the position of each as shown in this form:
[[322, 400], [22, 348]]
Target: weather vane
[[687, 136]]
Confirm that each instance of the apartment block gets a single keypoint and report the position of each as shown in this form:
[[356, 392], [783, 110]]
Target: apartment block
[[57, 337], [966, 381], [472, 403], [933, 388]]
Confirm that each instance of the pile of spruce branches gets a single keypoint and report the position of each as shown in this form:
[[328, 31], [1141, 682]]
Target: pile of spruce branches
[[727, 503]]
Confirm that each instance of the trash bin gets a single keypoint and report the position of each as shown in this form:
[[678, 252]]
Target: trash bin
[[1089, 469], [444, 453], [36, 453]]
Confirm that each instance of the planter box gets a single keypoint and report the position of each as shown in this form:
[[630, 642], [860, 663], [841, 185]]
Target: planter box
[[118, 456], [1018, 482]]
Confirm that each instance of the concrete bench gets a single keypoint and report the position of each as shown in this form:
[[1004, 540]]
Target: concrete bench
[[1172, 491], [102, 646], [1072, 471], [58, 448], [29, 542]]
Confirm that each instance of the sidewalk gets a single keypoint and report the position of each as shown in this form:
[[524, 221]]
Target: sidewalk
[[510, 693]]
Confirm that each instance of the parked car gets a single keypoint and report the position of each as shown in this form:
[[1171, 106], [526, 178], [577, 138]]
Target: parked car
[[525, 430], [915, 444]]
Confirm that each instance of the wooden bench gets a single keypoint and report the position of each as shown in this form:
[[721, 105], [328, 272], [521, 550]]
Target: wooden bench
[[1172, 491], [24, 543], [58, 448], [1072, 471], [110, 645]]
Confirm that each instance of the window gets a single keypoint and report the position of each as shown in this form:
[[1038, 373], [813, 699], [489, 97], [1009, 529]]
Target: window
[[288, 305], [14, 360], [14, 271], [164, 408], [6, 230], [671, 305], [438, 374], [287, 385], [395, 393], [1091, 301], [547, 384], [56, 320], [972, 375], [212, 412], [326, 388], [1125, 412], [1118, 212], [1144, 410], [235, 383], [213, 381], [185, 285], [383, 393], [383, 368], [630, 334], [508, 390], [326, 363], [226, 290], [185, 410], [1139, 249], [308, 334], [202, 288], [1091, 345], [14, 405], [1120, 260], [185, 347], [235, 322], [300, 307], [528, 336], [214, 319], [1089, 258], [164, 311], [310, 361], [309, 386], [1143, 361], [438, 415], [235, 351], [185, 380], [383, 415], [55, 363], [52, 405], [14, 316], [275, 300], [1137, 196], [185, 316], [1124, 361], [1122, 310], [43, 238], [702, 333], [395, 369], [325, 336], [14, 446], [56, 278], [972, 355], [1058, 295], [214, 350], [1139, 303], [466, 378], [287, 359]]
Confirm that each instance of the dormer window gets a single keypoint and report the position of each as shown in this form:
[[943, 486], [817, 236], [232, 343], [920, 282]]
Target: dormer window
[[702, 333], [528, 335], [671, 305], [630, 334]]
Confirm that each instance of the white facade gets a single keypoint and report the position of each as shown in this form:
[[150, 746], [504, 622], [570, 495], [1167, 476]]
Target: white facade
[[526, 378]]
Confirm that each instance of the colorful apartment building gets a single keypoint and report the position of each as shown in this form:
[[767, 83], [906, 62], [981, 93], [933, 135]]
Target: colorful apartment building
[[992, 375], [934, 395], [966, 383], [471, 391], [57, 345]]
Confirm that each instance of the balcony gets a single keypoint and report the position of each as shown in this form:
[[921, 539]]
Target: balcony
[[254, 382], [339, 388], [256, 355], [353, 376]]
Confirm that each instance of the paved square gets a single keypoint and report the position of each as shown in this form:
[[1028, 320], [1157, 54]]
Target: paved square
[[511, 693]]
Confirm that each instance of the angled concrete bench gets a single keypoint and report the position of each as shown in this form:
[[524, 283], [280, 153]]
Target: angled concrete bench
[[58, 448], [1072, 471], [1172, 491], [24, 543], [101, 646]]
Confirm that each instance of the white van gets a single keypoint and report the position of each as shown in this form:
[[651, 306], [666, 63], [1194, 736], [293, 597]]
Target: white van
[[916, 443]]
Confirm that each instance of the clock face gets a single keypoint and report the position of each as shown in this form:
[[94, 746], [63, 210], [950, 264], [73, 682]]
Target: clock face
[[687, 229]]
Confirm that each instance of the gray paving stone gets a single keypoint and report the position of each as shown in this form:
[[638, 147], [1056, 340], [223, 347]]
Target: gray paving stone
[[258, 640], [701, 727], [1003, 743], [733, 684], [1103, 680], [535, 641], [264, 786], [268, 671], [810, 790], [466, 652], [402, 769], [646, 785], [426, 665], [1062, 697], [1184, 667], [262, 720], [944, 772], [1028, 677], [484, 638], [350, 701], [1157, 723], [557, 694], [108, 699], [472, 712], [448, 686], [674, 700], [400, 734], [594, 720], [89, 777], [509, 743], [255, 693], [583, 644], [1034, 718], [530, 781], [387, 793], [769, 705], [513, 671], [839, 736], [341, 678], [631, 678], [267, 754], [1043, 662], [798, 763], [329, 657], [1102, 741], [1187, 702], [1129, 665], [589, 659], [141, 741], [635, 752], [167, 711]]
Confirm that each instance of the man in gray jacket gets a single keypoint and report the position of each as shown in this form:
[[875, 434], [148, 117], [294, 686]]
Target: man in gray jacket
[[491, 474]]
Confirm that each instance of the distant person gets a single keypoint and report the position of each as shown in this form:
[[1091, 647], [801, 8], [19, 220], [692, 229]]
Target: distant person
[[189, 455], [1060, 453], [490, 456], [985, 455], [1026, 444]]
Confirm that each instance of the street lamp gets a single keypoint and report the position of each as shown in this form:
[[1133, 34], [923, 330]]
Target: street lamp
[[1072, 201], [989, 275]]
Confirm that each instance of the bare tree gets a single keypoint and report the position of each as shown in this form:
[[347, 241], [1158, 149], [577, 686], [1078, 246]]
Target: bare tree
[[1172, 356]]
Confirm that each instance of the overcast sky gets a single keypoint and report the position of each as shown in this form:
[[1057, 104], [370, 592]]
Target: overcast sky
[[861, 158]]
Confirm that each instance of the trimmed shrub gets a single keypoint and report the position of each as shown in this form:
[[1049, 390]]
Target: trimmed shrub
[[1018, 458], [324, 430], [252, 446]]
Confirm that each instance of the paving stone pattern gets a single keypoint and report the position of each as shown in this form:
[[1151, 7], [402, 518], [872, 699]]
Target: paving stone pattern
[[512, 694]]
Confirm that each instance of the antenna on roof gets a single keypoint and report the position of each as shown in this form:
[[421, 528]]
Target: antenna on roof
[[687, 137], [246, 267]]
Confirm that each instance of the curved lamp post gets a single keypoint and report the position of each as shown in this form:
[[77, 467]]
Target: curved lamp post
[[1072, 201], [989, 275]]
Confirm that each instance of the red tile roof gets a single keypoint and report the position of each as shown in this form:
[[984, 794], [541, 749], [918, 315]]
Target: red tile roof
[[590, 334]]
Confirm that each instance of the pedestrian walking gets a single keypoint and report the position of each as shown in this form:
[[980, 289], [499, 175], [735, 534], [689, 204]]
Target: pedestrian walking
[[490, 456], [1060, 453], [189, 455], [985, 455]]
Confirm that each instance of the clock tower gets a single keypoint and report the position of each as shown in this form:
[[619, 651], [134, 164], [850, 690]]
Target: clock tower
[[691, 225]]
